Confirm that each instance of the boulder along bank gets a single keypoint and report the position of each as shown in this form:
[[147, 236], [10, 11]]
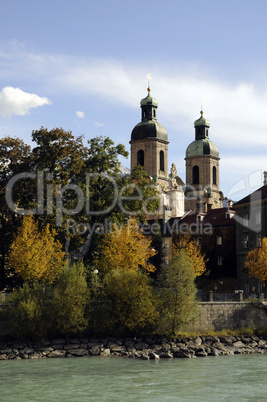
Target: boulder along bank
[[142, 348]]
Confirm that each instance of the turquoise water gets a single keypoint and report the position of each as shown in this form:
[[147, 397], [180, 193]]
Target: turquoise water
[[223, 378]]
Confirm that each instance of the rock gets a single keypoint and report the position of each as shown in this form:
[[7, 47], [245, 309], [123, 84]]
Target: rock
[[131, 349], [227, 339], [35, 356], [201, 353], [45, 349], [57, 353], [214, 352], [239, 344], [72, 346], [94, 351], [153, 355], [166, 355], [194, 343], [118, 349], [141, 346], [3, 357], [105, 352], [78, 352], [28, 351], [6, 351], [144, 356]]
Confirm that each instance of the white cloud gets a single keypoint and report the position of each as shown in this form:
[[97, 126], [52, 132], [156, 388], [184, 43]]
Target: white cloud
[[97, 124], [14, 101], [80, 115], [237, 110]]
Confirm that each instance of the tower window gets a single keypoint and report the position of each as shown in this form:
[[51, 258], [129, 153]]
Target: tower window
[[161, 161], [140, 157], [195, 175], [214, 174], [154, 113]]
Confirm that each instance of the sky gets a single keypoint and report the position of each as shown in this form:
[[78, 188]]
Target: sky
[[82, 65]]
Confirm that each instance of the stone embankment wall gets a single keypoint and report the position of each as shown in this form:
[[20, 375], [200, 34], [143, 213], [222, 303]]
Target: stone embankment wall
[[231, 315], [140, 348]]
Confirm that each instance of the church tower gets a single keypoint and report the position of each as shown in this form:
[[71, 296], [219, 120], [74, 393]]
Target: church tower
[[149, 142], [202, 170], [149, 148]]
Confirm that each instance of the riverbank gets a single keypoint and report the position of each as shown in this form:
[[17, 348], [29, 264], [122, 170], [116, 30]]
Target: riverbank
[[142, 348]]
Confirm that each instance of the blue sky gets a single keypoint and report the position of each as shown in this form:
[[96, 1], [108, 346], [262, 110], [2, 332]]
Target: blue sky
[[82, 65]]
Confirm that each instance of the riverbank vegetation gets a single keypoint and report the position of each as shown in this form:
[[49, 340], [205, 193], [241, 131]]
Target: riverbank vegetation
[[73, 260], [115, 296]]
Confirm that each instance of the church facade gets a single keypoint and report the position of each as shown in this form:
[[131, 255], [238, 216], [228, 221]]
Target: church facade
[[190, 205], [149, 148]]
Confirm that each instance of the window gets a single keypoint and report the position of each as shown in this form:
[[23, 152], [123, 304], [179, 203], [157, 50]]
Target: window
[[161, 161], [258, 218], [258, 240], [219, 240], [220, 261], [245, 220], [214, 175], [140, 157], [245, 241], [195, 175], [154, 113]]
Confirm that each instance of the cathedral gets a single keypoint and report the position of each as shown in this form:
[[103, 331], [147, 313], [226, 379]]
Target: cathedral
[[149, 148]]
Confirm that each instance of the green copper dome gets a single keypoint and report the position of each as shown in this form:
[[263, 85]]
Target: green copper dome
[[148, 100], [201, 121], [149, 129], [202, 145], [201, 148]]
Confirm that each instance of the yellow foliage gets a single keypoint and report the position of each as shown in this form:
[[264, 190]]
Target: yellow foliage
[[193, 252], [36, 255], [133, 304], [256, 262], [126, 247]]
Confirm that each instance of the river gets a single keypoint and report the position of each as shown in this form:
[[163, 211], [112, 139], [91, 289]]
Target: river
[[224, 378]]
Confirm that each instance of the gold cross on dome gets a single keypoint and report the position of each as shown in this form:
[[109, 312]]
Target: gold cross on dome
[[149, 78]]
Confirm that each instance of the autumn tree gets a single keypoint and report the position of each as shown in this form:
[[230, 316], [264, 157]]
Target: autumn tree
[[256, 262], [193, 252], [127, 248], [131, 301], [178, 304], [34, 255]]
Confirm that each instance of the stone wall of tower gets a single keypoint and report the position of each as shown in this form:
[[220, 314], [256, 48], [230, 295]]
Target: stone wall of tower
[[151, 148], [206, 163]]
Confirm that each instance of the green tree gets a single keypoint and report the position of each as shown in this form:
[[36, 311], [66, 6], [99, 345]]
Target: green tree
[[178, 294], [141, 195], [131, 302], [26, 313], [70, 298], [34, 255]]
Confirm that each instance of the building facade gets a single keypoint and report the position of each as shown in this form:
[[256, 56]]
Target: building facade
[[251, 227]]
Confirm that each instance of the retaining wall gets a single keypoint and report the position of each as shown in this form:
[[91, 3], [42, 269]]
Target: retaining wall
[[231, 315]]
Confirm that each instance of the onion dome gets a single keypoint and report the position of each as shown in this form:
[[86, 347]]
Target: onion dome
[[202, 145], [201, 121], [149, 127]]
